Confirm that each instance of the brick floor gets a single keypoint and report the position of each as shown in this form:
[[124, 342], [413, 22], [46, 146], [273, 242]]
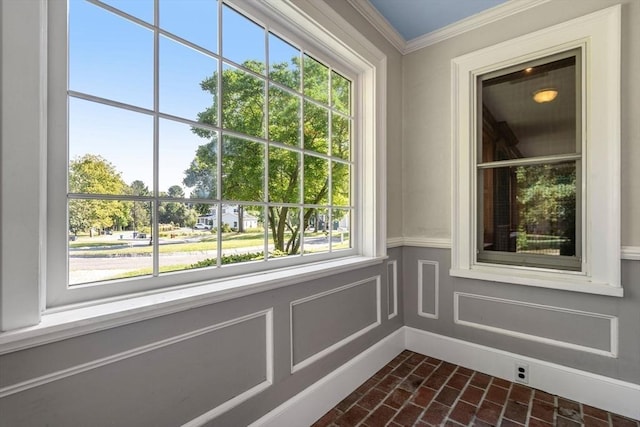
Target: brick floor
[[416, 390]]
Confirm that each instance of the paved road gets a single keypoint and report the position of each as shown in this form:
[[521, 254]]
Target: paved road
[[92, 269]]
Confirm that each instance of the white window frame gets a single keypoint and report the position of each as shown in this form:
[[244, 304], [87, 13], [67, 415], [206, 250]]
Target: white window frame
[[27, 267], [598, 36]]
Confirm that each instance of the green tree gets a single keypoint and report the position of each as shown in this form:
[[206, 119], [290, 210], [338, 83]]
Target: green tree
[[175, 213], [140, 211], [92, 174], [242, 160], [547, 202]]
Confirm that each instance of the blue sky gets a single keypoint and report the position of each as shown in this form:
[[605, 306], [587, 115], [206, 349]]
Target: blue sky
[[112, 57]]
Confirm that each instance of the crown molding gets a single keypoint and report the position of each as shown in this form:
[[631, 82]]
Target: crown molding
[[501, 11], [376, 19]]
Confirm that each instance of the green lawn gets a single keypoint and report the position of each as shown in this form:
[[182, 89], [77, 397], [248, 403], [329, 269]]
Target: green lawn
[[111, 248]]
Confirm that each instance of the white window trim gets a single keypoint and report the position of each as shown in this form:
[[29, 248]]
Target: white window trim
[[24, 263], [598, 34]]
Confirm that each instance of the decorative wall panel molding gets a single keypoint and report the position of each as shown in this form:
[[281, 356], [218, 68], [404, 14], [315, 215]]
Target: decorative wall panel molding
[[392, 289], [334, 309], [582, 330], [433, 282], [122, 356]]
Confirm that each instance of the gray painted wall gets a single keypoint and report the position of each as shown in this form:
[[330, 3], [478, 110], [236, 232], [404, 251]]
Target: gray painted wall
[[169, 370], [427, 114], [569, 328]]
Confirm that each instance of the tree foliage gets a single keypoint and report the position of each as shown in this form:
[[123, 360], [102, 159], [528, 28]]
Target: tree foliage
[[176, 213], [92, 174], [140, 211], [243, 159], [547, 201]]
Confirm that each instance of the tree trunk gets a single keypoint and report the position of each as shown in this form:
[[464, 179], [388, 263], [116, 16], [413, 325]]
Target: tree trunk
[[240, 219], [278, 237]]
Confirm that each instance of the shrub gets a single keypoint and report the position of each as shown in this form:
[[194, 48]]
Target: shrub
[[236, 258]]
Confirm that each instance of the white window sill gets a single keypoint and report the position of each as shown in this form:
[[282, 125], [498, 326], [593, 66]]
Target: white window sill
[[526, 277], [67, 322]]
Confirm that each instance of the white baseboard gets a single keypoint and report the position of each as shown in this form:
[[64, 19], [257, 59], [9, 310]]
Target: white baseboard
[[602, 392], [599, 391], [312, 403]]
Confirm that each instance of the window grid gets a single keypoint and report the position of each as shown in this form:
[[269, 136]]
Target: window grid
[[156, 199]]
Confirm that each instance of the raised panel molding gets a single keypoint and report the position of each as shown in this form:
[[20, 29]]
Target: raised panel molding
[[344, 341], [392, 289], [612, 351], [436, 288], [234, 401]]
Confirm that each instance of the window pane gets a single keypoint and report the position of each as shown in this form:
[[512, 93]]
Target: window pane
[[186, 160], [242, 102], [142, 9], [316, 80], [109, 56], [530, 210], [283, 231], [186, 239], [316, 125], [109, 148], [517, 126], [316, 180], [340, 93], [284, 63], [242, 169], [317, 230], [243, 41], [242, 234], [284, 117], [109, 239], [341, 229], [284, 176], [188, 82], [193, 20], [340, 184], [340, 136]]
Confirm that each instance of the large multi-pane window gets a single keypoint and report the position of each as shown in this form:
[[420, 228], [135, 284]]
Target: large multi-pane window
[[199, 137]]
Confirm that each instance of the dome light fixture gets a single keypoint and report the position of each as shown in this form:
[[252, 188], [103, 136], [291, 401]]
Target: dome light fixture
[[545, 95]]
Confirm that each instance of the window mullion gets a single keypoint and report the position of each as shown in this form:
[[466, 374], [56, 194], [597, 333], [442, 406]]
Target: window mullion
[[155, 229], [218, 206]]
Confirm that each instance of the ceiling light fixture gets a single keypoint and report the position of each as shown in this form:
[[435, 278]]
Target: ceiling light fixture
[[545, 95]]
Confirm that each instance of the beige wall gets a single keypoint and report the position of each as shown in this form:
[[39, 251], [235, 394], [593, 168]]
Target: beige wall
[[394, 113], [427, 115]]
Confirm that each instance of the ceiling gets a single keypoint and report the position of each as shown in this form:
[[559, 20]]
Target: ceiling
[[415, 18]]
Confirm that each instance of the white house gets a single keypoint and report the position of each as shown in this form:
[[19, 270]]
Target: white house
[[230, 217]]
